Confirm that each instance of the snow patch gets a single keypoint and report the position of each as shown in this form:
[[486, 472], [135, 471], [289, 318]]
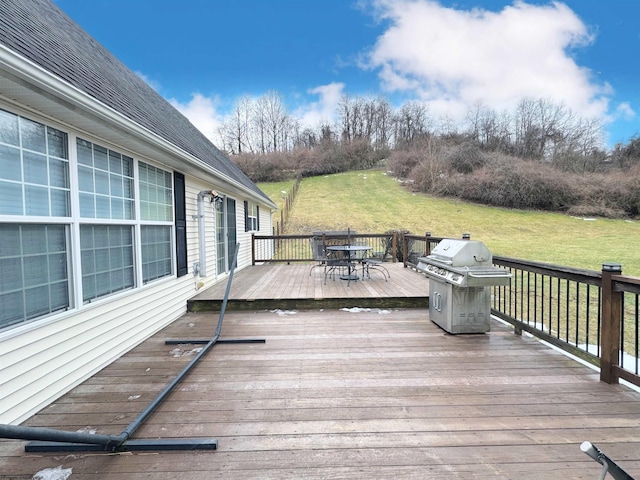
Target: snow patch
[[89, 430], [372, 310], [283, 312], [133, 397], [57, 473], [178, 352]]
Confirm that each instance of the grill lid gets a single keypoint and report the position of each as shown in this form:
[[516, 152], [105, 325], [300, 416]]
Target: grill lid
[[461, 253]]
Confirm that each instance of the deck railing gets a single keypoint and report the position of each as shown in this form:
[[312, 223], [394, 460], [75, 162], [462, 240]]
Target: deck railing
[[299, 248], [590, 314]]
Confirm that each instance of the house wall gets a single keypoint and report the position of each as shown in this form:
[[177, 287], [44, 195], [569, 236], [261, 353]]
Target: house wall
[[194, 186], [42, 359]]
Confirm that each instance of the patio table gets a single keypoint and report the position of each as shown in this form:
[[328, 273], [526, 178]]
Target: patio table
[[349, 250]]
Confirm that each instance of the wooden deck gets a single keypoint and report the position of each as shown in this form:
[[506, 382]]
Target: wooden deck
[[346, 393], [298, 286]]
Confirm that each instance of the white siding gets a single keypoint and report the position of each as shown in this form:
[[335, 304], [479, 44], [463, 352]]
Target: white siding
[[244, 238], [193, 248], [43, 360]]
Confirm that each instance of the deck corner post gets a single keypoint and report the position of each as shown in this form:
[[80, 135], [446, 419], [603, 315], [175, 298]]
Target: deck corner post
[[611, 318], [394, 246], [405, 249], [253, 249]]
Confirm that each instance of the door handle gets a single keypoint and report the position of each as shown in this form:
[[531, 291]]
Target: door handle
[[437, 302]]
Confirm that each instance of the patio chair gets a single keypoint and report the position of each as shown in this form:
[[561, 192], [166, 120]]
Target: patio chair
[[375, 262], [336, 262], [318, 251]]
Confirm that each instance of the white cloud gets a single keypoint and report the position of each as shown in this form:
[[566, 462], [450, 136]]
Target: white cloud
[[453, 58], [625, 111], [313, 114], [202, 113]]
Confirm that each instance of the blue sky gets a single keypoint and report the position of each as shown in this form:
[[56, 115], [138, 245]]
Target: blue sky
[[203, 55]]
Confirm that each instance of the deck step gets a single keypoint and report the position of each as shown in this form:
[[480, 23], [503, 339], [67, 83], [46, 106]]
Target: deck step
[[308, 303]]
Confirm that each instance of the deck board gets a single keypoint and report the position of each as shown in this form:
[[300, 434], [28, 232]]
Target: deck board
[[346, 394]]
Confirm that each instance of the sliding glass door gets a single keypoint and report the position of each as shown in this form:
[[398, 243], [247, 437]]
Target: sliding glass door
[[226, 235]]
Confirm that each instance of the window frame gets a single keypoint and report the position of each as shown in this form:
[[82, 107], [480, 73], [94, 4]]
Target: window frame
[[75, 221], [251, 216]]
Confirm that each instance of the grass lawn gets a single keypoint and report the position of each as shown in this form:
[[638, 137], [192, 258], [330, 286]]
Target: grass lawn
[[373, 202], [274, 191]]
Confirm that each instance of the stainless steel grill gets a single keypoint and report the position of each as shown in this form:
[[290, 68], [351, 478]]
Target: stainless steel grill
[[460, 274]]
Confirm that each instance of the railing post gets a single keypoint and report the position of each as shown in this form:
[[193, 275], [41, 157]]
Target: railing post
[[405, 250], [394, 245], [427, 248], [253, 249], [611, 318]]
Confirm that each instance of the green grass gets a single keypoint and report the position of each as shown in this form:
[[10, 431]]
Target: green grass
[[373, 202], [274, 192]]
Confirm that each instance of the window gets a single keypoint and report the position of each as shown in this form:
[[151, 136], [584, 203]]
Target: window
[[105, 180], [156, 205], [156, 252], [106, 189], [251, 217], [123, 244], [156, 195], [107, 260], [34, 266], [34, 183], [34, 168]]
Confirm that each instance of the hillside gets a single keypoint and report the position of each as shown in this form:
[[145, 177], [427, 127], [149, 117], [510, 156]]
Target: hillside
[[372, 201]]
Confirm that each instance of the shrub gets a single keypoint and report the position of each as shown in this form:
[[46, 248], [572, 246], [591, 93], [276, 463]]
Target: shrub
[[613, 195], [629, 196], [402, 163], [399, 245], [272, 167], [508, 182], [466, 158], [423, 164]]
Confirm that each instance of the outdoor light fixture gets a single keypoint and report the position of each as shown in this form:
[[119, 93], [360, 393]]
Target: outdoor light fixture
[[213, 195]]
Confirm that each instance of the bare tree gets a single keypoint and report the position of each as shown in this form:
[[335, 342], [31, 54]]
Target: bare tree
[[383, 124], [236, 130], [411, 122], [272, 119]]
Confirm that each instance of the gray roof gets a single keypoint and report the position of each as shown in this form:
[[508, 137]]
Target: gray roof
[[44, 34]]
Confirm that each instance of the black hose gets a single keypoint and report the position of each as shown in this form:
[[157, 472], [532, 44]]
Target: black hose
[[50, 435], [133, 426]]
